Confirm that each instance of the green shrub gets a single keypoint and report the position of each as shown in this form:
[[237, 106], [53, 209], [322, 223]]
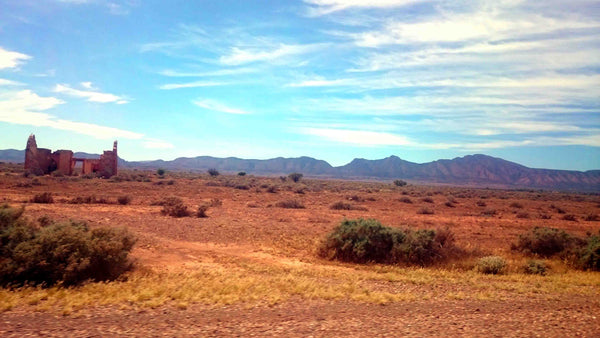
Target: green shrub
[[589, 255], [160, 172], [242, 173], [535, 267], [290, 204], [67, 253], [399, 183], [491, 265], [544, 241], [45, 197], [367, 240], [295, 177], [213, 172]]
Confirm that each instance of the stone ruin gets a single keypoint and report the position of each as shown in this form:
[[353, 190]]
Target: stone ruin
[[40, 161]]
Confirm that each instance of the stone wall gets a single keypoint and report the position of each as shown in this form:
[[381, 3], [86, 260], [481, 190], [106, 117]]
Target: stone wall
[[40, 161]]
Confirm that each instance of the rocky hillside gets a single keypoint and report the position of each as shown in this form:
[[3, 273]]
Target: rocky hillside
[[474, 170]]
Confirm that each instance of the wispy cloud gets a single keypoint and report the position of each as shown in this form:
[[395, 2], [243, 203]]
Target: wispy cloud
[[91, 95], [218, 107], [366, 138], [214, 73], [10, 59], [194, 84], [238, 56], [5, 82], [322, 7], [358, 137], [27, 108]]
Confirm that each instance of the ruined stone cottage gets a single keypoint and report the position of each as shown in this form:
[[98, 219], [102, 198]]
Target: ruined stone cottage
[[42, 161]]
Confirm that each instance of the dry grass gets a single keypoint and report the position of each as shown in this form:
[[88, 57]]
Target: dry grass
[[242, 280]]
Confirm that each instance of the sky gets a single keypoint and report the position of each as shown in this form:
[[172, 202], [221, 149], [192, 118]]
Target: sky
[[329, 79]]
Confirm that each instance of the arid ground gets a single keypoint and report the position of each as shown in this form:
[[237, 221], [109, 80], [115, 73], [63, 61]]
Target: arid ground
[[251, 267]]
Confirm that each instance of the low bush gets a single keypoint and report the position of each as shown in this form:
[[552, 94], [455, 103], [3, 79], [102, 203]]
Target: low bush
[[45, 197], [516, 205], [400, 183], [215, 202], [176, 210], [213, 172], [68, 253], [427, 200], [522, 214], [491, 265], [290, 204], [592, 218], [201, 212], [489, 212], [425, 211], [367, 240], [295, 177], [345, 206], [481, 204], [535, 267], [124, 200], [544, 242], [570, 217], [405, 200], [589, 255], [241, 173], [582, 253]]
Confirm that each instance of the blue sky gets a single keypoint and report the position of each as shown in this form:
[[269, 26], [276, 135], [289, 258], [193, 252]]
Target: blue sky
[[330, 79]]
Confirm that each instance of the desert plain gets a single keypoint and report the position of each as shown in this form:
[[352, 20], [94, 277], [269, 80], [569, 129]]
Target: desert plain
[[251, 266]]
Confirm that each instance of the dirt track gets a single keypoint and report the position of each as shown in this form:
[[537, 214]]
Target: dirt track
[[515, 318]]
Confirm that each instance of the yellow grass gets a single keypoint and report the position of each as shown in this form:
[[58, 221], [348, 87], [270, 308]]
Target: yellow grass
[[241, 280]]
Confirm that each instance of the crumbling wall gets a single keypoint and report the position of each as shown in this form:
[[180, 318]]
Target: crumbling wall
[[40, 161]]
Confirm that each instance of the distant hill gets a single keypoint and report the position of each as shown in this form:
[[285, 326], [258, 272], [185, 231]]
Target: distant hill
[[471, 170]]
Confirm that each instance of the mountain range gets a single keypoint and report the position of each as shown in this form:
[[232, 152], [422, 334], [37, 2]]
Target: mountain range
[[471, 170]]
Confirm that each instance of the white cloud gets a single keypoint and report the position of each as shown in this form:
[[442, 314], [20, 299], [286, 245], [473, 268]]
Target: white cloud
[[219, 72], [358, 137], [9, 59], [218, 107], [5, 82], [238, 56], [90, 95], [26, 107], [483, 25], [194, 84], [322, 7]]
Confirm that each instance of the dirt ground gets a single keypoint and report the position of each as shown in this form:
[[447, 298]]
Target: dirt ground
[[244, 222]]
